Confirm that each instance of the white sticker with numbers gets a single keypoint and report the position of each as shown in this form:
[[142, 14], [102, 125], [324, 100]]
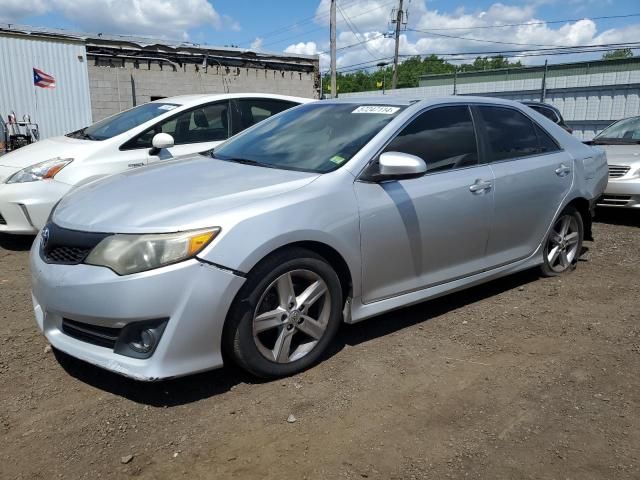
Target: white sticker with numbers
[[385, 110]]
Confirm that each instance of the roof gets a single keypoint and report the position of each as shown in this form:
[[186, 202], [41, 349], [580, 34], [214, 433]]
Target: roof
[[534, 71], [404, 101], [139, 41], [205, 97]]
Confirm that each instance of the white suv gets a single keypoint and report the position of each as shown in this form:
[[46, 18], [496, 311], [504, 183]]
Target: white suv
[[35, 177]]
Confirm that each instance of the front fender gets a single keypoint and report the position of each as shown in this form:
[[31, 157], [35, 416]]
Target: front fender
[[331, 219]]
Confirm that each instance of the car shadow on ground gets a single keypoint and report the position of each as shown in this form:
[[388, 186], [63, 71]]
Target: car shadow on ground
[[618, 216], [16, 243], [196, 387]]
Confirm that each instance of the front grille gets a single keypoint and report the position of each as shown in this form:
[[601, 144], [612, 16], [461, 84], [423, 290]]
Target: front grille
[[94, 334], [616, 171], [67, 247], [2, 220], [616, 200], [67, 255]]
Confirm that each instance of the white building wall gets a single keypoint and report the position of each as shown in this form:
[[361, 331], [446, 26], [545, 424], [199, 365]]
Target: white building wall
[[59, 110]]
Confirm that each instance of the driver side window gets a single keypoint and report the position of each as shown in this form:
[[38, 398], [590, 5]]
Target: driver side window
[[205, 123], [443, 137]]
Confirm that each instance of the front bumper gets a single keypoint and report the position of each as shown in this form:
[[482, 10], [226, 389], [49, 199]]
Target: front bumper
[[192, 295], [25, 207], [622, 192]]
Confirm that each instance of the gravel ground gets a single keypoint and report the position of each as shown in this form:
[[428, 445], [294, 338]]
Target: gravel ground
[[520, 378]]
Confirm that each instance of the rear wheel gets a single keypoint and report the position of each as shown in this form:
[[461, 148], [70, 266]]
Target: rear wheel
[[564, 243], [286, 314]]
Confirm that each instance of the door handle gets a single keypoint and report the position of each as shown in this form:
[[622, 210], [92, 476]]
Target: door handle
[[563, 170], [480, 186]]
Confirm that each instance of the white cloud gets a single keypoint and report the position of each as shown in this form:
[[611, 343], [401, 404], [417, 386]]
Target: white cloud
[[371, 19], [256, 44], [303, 48], [15, 10], [166, 18]]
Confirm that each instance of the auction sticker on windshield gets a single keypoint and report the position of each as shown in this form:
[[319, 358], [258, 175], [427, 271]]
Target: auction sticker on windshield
[[376, 109]]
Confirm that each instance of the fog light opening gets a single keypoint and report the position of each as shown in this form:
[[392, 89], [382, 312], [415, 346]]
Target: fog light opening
[[145, 342]]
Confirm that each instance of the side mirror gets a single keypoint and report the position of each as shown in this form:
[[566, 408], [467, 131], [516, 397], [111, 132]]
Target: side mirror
[[397, 166], [160, 141]]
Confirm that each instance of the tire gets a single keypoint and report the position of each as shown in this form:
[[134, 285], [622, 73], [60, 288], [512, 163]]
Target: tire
[[563, 245], [269, 331]]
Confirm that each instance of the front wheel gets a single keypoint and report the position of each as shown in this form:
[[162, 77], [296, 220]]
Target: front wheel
[[286, 314], [564, 243]]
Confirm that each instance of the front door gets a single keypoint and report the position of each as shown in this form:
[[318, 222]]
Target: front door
[[194, 131], [425, 231]]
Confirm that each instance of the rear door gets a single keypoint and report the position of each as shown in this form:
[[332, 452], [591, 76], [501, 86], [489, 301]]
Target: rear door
[[532, 175], [420, 232]]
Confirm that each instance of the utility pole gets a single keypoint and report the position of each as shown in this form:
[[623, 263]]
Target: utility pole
[[398, 21], [332, 33], [543, 87]]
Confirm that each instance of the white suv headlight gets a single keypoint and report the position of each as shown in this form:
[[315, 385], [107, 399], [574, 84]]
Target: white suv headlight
[[126, 253], [40, 171]]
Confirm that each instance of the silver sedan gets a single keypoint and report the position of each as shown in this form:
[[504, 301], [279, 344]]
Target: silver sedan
[[331, 212]]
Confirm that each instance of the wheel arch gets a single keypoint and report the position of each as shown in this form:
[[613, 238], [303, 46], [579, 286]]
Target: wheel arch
[[330, 254], [583, 206]]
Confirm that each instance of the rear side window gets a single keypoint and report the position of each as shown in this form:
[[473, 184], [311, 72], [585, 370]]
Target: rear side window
[[547, 144], [250, 111], [511, 134], [443, 137], [547, 112]]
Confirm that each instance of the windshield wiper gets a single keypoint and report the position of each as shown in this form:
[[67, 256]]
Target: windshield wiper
[[81, 134], [615, 141], [244, 161]]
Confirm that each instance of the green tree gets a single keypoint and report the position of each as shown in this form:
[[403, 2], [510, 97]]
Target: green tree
[[619, 53], [409, 72]]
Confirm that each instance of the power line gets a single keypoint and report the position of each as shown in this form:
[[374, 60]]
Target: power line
[[577, 49], [358, 34], [481, 27], [428, 32], [307, 20], [351, 45]]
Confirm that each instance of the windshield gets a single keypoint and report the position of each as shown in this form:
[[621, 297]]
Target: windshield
[[316, 137], [627, 130], [121, 122]]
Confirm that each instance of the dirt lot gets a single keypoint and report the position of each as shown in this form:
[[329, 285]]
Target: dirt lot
[[520, 378]]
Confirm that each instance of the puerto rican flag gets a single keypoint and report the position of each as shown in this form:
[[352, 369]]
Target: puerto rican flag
[[43, 80]]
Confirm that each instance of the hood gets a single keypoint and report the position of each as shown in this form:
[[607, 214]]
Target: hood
[[37, 152], [177, 195], [621, 154]]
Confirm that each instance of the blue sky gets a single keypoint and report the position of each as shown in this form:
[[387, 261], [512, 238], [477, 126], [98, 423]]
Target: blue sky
[[301, 26]]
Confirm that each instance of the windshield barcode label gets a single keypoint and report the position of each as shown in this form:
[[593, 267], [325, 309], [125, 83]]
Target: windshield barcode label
[[376, 109]]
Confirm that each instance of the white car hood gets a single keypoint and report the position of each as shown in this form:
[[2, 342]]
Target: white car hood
[[622, 154], [174, 196], [63, 147]]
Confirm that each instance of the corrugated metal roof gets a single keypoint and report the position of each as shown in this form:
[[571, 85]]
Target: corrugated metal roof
[[57, 111], [592, 67], [139, 41]]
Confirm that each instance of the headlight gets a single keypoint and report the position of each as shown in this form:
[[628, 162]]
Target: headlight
[[40, 171], [125, 254]]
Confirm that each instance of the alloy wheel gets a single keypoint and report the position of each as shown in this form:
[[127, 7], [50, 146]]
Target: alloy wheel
[[291, 316], [562, 247]]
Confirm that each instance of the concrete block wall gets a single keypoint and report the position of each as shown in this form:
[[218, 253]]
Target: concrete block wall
[[112, 86]]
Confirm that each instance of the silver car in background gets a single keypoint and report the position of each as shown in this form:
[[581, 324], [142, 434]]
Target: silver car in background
[[329, 212], [621, 142]]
